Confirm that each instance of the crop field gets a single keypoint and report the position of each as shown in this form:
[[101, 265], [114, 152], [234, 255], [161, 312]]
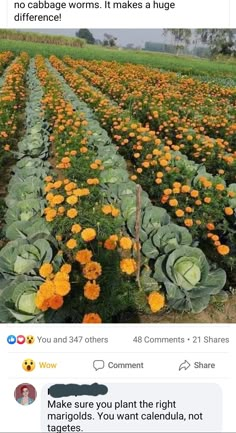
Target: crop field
[[117, 189]]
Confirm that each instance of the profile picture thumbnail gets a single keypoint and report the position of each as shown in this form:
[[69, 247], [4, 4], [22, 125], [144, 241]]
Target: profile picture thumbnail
[[25, 394]]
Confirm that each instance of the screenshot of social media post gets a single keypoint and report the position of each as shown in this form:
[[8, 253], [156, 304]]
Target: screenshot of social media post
[[117, 216]]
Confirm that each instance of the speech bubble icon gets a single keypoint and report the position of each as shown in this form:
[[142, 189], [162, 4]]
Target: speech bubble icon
[[98, 364]]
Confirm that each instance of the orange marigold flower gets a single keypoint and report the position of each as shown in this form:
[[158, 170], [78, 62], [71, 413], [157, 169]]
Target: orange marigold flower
[[83, 256], [210, 226], [185, 188], [91, 290], [55, 302], [219, 187], [128, 266], [66, 268], [92, 318], [188, 222], [207, 200], [71, 244], [125, 243], [228, 211], [93, 181], [45, 270], [92, 270], [179, 213], [88, 234], [167, 191], [156, 301], [223, 250], [194, 193], [76, 228], [113, 238], [173, 202], [72, 213], [106, 209], [47, 289], [115, 212], [109, 244]]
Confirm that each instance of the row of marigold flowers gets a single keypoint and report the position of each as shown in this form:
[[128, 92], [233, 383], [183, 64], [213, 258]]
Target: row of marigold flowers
[[100, 261], [200, 202], [182, 112], [12, 101]]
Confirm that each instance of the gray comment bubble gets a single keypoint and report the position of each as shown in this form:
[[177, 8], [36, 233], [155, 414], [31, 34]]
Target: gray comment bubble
[[136, 408], [72, 389]]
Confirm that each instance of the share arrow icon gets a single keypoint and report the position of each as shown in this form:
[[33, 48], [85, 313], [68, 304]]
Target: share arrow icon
[[184, 366]]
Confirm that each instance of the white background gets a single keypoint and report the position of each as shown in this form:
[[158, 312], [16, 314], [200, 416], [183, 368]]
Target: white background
[[75, 363], [187, 14]]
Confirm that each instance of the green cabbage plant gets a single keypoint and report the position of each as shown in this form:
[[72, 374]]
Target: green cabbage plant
[[188, 279]]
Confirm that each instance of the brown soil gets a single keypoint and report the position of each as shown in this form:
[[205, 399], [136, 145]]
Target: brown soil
[[218, 313]]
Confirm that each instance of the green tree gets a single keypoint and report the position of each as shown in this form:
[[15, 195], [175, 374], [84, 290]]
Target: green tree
[[109, 40], [182, 38], [85, 34], [219, 41]]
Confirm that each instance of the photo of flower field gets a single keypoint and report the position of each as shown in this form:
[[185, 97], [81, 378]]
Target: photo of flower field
[[117, 186]]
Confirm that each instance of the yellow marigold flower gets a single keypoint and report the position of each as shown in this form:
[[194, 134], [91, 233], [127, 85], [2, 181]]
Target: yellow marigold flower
[[72, 199], [76, 228], [92, 318], [106, 209], [48, 179], [125, 243], [156, 301], [62, 287], [72, 213], [57, 184], [45, 270], [83, 256], [47, 289], [88, 234], [71, 244], [59, 238], [92, 270], [80, 192], [61, 276], [128, 266], [66, 268], [93, 181], [51, 215], [91, 290], [57, 199], [70, 186]]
